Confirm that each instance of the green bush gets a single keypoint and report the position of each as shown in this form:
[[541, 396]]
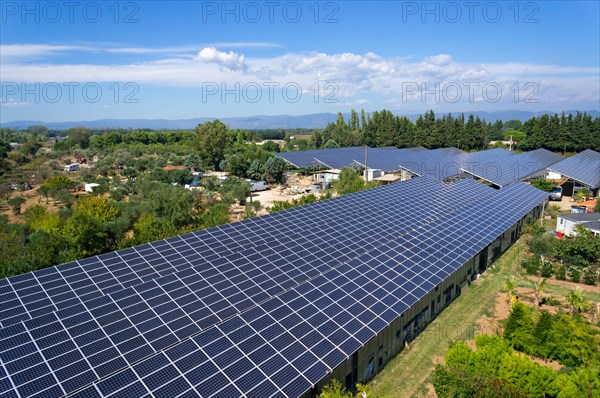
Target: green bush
[[570, 340], [532, 265], [543, 184], [550, 301], [496, 370], [590, 275], [561, 273]]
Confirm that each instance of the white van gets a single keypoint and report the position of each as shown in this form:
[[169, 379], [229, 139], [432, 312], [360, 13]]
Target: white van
[[72, 167], [257, 185]]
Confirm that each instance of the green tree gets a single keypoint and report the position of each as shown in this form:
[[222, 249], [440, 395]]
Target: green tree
[[6, 191], [94, 226], [149, 228], [100, 189], [79, 136], [256, 170], [515, 134], [16, 204], [215, 215], [519, 327], [212, 140], [577, 300], [349, 181], [271, 146], [251, 209], [543, 246], [510, 287], [210, 183], [334, 389], [275, 169], [539, 287], [64, 196], [4, 149], [44, 190], [235, 189], [237, 165], [543, 184], [60, 181]]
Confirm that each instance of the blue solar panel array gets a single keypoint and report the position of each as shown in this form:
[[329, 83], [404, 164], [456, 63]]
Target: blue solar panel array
[[82, 323], [30, 295], [387, 159], [498, 166], [583, 167], [333, 158], [284, 346], [444, 163], [503, 170]]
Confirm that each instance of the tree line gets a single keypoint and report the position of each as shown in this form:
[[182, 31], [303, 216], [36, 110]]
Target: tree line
[[383, 128]]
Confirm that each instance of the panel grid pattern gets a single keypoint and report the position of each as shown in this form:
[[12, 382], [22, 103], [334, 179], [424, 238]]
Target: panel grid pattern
[[137, 321], [508, 169], [290, 342], [583, 167], [29, 295]]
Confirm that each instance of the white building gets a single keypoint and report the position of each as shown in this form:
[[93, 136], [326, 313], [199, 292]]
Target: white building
[[566, 223], [371, 174], [327, 175], [90, 187]]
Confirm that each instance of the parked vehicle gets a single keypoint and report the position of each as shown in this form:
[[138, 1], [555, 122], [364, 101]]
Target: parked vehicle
[[25, 185], [556, 193], [257, 185], [72, 167]]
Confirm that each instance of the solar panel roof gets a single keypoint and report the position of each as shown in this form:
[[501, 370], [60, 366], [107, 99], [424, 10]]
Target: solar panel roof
[[387, 159], [81, 339], [287, 344], [503, 170], [336, 158], [30, 295], [126, 324], [583, 167]]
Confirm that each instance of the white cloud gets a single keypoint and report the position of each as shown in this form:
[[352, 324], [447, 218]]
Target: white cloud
[[12, 103], [34, 50], [353, 76], [228, 60], [40, 50]]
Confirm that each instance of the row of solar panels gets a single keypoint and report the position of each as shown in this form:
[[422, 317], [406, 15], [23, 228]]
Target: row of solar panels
[[498, 166], [84, 337], [583, 167], [223, 284], [289, 343]]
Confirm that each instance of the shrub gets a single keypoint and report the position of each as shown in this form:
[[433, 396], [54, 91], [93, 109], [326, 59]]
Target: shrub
[[561, 273], [550, 301], [532, 265], [590, 275]]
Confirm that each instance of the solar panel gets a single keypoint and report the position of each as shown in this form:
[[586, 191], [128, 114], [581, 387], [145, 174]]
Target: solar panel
[[503, 170], [70, 284], [583, 167], [332, 158], [291, 364], [114, 319]]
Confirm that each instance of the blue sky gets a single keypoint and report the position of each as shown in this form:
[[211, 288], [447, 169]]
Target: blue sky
[[152, 59]]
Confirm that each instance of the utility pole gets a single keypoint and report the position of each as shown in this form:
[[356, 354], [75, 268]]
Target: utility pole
[[366, 165], [542, 217]]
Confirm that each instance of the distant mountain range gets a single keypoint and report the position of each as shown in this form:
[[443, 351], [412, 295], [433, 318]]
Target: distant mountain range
[[315, 120]]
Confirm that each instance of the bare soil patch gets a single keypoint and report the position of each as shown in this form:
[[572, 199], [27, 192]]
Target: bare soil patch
[[567, 284]]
